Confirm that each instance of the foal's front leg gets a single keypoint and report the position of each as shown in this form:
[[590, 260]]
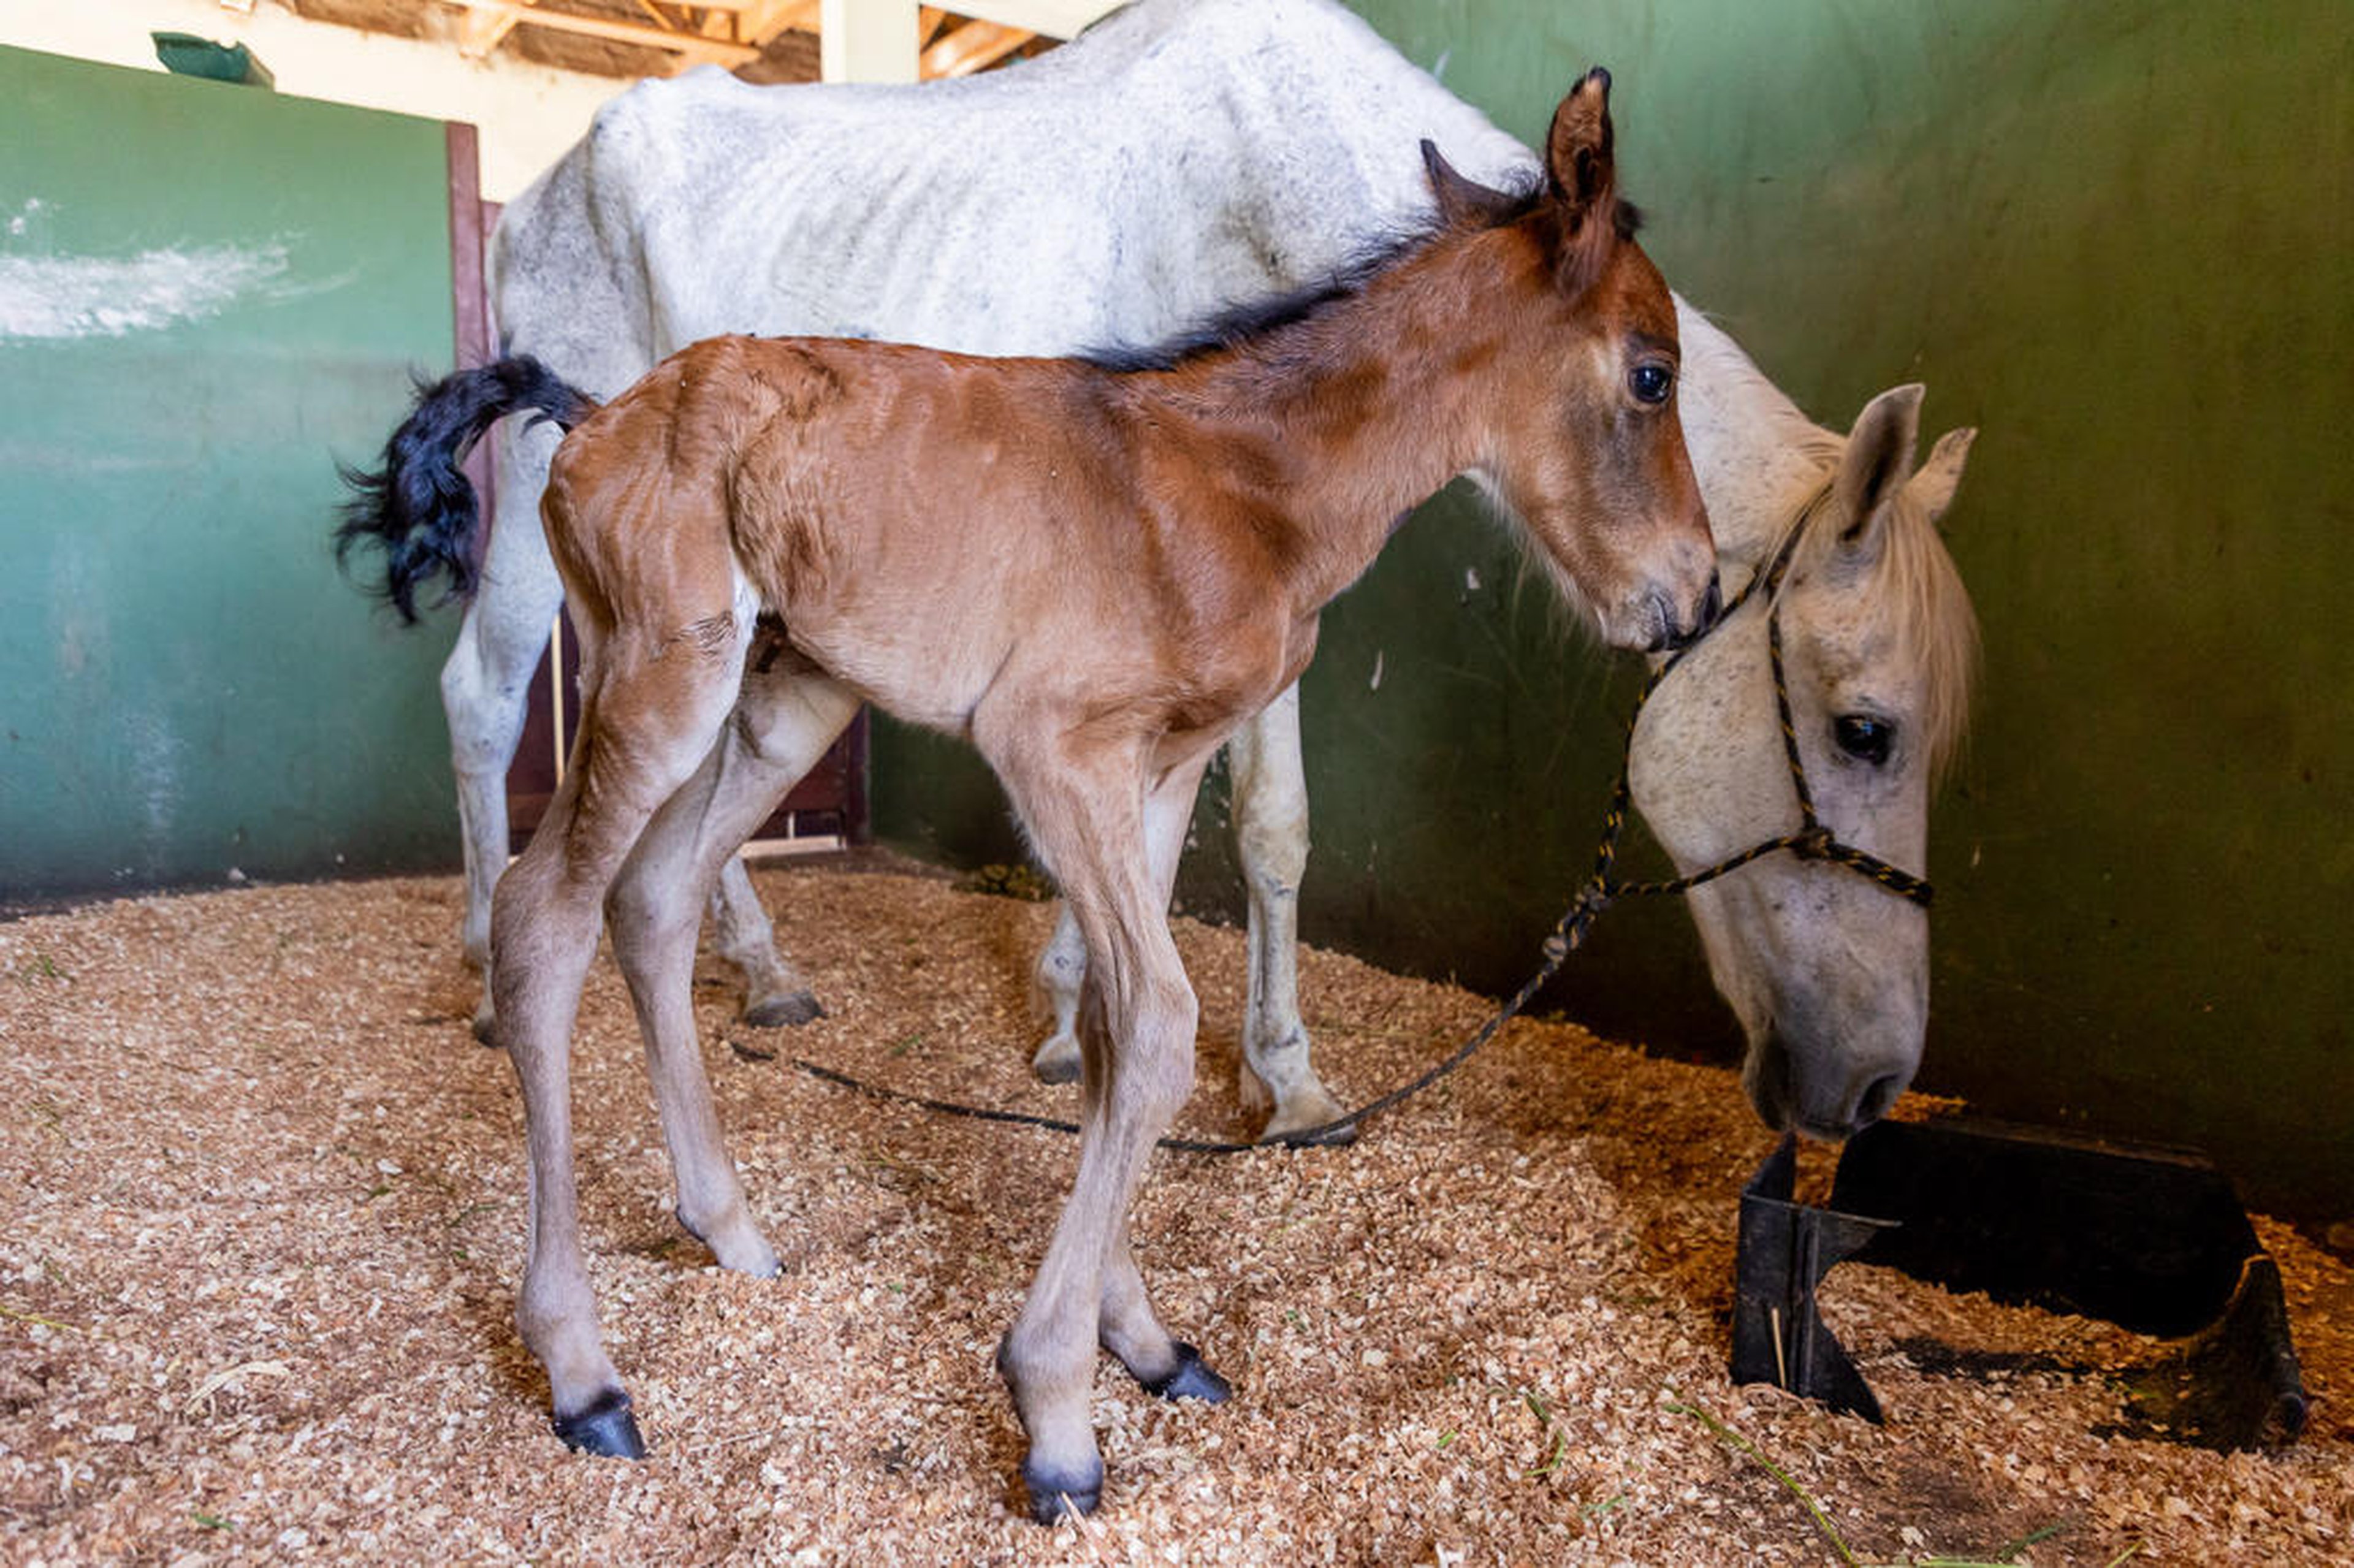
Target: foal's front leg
[[1136, 1028], [1270, 821]]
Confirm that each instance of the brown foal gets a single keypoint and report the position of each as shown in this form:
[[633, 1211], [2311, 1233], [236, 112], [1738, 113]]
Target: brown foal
[[1094, 573]]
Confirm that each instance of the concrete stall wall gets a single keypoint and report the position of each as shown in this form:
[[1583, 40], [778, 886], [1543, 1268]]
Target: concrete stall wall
[[2119, 237], [207, 293]]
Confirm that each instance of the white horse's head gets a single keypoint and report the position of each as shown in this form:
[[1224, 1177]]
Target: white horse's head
[[1826, 969]]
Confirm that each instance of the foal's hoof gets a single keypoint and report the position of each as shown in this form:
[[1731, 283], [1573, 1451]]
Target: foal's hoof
[[1190, 1378], [1054, 1494], [777, 1011], [606, 1428]]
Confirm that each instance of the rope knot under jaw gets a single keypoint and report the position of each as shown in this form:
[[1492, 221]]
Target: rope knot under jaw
[[1814, 843]]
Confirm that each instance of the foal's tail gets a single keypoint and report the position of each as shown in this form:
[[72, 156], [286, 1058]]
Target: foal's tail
[[419, 506]]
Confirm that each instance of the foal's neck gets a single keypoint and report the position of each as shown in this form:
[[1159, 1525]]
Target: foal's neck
[[1334, 426]]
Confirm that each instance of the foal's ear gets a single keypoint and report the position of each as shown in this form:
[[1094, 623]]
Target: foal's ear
[[1935, 485], [1582, 176], [1877, 461], [1461, 200]]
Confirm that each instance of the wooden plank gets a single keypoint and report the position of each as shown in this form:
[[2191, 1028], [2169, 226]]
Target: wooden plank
[[974, 46], [1055, 18], [758, 21], [692, 48], [482, 32]]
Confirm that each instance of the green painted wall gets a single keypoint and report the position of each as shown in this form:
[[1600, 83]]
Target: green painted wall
[[2119, 236], [185, 683]]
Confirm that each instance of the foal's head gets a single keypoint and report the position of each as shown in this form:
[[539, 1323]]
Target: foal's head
[[1588, 451]]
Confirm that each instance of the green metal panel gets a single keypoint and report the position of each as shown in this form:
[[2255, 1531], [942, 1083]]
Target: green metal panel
[[2117, 235], [206, 294], [2120, 237]]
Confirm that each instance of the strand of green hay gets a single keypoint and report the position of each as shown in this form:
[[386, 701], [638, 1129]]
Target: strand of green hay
[[1727, 1436], [24, 1317]]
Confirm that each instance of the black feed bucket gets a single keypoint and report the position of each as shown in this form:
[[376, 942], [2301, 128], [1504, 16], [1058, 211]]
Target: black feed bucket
[[2152, 1240]]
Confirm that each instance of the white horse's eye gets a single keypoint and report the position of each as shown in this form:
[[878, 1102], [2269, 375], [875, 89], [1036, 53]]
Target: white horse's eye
[[1865, 738]]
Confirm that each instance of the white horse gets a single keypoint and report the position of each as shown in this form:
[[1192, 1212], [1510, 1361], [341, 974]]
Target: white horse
[[1182, 156], [1827, 973]]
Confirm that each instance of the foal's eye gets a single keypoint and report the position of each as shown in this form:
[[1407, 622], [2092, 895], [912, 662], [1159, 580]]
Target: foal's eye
[[1865, 740], [1652, 383]]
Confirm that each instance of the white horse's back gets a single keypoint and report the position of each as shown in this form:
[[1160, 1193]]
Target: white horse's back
[[1097, 195]]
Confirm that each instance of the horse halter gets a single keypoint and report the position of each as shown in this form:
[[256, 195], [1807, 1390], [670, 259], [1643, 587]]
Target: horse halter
[[1812, 839]]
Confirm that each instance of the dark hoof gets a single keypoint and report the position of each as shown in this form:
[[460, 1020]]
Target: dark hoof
[[1052, 1495], [779, 1012], [1190, 1378], [606, 1428], [486, 1031], [1057, 1071]]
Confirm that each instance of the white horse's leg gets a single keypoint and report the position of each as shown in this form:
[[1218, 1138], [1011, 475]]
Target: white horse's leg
[[486, 681], [544, 923], [783, 725], [1137, 1018], [1271, 811], [1061, 969], [774, 991]]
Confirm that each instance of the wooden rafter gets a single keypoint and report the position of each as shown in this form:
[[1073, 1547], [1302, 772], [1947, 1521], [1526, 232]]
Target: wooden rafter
[[480, 32], [973, 47], [735, 32], [692, 48]]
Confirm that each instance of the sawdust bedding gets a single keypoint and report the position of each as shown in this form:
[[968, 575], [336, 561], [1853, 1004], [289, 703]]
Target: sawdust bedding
[[264, 1207]]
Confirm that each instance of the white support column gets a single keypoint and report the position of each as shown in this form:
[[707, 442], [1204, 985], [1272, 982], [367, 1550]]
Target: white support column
[[867, 40]]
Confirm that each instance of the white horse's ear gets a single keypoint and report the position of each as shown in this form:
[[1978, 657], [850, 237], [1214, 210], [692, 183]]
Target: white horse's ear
[[1877, 462], [1934, 486]]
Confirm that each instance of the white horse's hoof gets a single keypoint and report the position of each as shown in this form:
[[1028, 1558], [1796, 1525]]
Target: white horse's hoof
[[779, 1012], [1305, 1109], [1057, 1061]]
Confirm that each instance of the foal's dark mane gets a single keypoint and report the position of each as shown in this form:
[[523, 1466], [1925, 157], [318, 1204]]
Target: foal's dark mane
[[1240, 324]]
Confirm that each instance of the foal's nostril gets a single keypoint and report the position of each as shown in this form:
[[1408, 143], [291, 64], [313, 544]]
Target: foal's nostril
[[1672, 635]]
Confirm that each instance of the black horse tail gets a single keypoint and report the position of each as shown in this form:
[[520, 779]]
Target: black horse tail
[[419, 506]]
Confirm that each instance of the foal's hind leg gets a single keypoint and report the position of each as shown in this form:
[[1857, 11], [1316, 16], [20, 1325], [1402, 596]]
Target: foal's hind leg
[[781, 725], [1271, 840], [652, 709]]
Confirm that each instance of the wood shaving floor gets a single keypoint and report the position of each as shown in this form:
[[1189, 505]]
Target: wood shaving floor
[[264, 1216]]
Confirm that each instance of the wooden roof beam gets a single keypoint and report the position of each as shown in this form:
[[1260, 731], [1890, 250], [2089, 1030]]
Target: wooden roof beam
[[974, 46], [694, 50]]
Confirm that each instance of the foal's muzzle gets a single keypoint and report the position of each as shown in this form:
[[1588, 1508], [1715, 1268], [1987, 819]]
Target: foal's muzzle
[[1670, 636]]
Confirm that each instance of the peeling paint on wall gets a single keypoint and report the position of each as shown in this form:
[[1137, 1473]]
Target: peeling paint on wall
[[67, 296]]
